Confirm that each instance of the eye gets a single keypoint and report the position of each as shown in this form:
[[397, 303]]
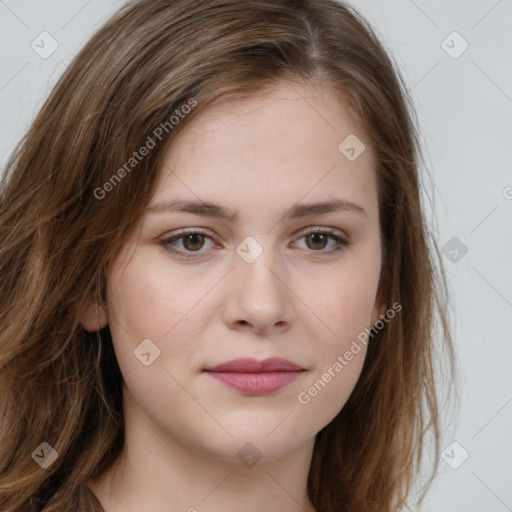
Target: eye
[[193, 240], [317, 239]]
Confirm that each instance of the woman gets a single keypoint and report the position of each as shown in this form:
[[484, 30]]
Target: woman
[[217, 285]]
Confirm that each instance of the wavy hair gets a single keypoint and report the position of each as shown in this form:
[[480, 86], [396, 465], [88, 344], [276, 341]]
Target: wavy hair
[[61, 384]]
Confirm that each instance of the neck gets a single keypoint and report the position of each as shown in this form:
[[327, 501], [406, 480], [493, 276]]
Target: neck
[[157, 473]]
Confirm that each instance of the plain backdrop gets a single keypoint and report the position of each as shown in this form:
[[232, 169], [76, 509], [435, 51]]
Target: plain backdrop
[[455, 58]]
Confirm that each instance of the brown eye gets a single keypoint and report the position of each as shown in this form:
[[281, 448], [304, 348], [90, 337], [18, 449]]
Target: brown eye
[[319, 240], [193, 242]]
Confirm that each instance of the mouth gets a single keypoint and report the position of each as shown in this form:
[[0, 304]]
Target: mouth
[[253, 377]]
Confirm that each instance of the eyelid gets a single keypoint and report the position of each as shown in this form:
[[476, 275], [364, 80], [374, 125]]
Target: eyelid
[[302, 232], [188, 231], [321, 229]]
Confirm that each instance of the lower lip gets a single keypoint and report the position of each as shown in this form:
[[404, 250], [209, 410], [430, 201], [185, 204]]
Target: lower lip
[[256, 383]]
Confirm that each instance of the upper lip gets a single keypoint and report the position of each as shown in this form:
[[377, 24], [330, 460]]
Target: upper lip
[[249, 365]]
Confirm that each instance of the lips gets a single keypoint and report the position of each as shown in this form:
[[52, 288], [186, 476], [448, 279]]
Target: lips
[[253, 377], [248, 365]]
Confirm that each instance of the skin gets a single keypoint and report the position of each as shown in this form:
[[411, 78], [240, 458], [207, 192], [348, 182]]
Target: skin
[[298, 300]]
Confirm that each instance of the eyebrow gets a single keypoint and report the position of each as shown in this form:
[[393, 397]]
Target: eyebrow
[[209, 209]]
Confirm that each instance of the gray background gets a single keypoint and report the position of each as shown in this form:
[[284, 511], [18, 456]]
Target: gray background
[[464, 106]]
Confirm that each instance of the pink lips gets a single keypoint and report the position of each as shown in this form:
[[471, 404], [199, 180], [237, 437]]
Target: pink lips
[[255, 377]]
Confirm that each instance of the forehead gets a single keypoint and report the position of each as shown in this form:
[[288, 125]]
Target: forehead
[[283, 143], [294, 110]]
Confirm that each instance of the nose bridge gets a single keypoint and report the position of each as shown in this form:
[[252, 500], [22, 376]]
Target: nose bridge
[[256, 262], [257, 295]]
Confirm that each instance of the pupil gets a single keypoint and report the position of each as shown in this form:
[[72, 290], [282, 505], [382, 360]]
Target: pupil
[[193, 237], [317, 235]]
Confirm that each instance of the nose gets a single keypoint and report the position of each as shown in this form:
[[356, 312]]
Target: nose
[[258, 296]]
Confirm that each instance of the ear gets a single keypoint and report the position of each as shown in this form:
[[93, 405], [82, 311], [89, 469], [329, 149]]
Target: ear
[[380, 306], [93, 316]]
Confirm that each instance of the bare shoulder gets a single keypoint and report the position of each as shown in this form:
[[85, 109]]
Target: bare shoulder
[[91, 501]]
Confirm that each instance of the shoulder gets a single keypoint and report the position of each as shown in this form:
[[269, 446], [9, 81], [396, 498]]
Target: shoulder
[[92, 500]]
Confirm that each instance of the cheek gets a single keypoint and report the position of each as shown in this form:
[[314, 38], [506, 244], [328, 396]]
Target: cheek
[[333, 380], [345, 306], [341, 350], [147, 299], [139, 309], [137, 299], [347, 302]]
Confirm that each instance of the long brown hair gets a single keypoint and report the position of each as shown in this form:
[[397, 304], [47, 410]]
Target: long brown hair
[[63, 217]]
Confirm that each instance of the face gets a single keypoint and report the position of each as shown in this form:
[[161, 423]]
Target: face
[[280, 280]]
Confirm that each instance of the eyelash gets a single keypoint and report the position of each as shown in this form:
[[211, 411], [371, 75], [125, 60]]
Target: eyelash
[[166, 243]]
